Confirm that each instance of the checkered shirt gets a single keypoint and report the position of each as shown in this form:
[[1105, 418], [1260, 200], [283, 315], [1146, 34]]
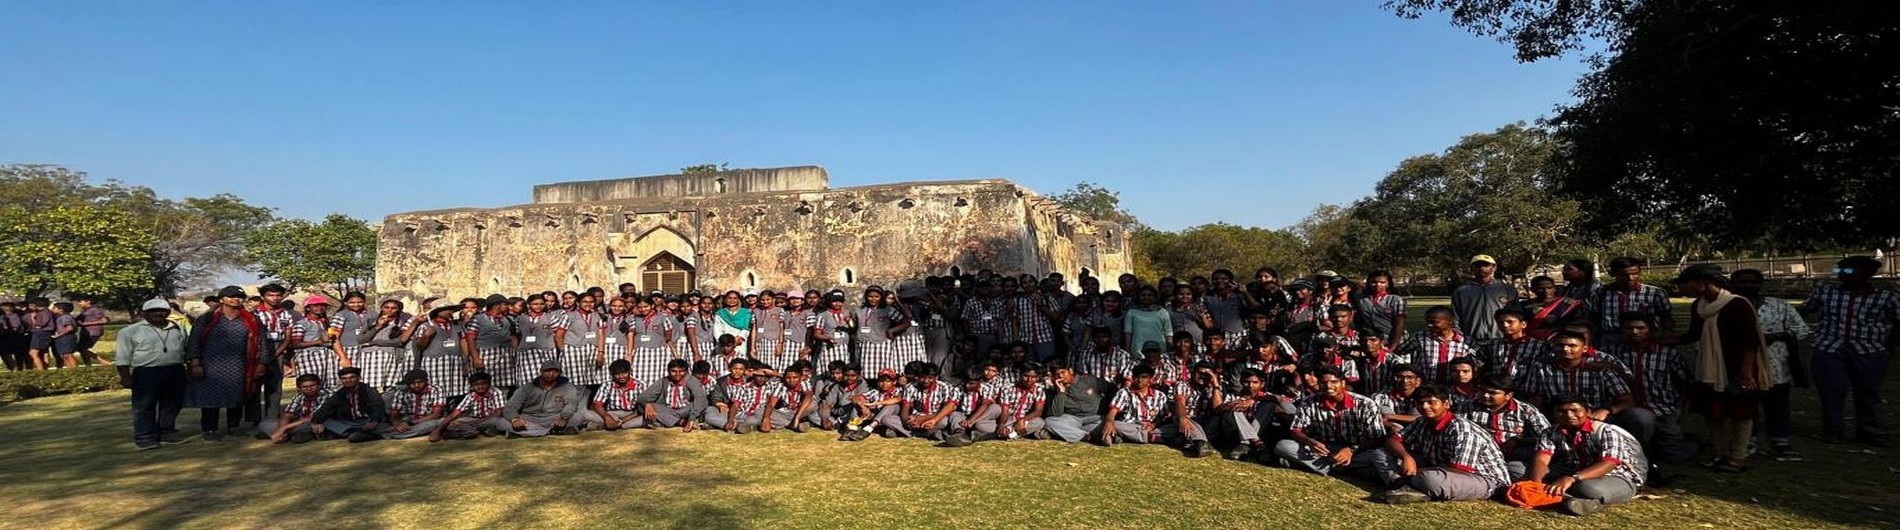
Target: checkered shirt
[[1354, 422], [929, 399], [980, 315], [1654, 375], [410, 406], [1612, 303], [1455, 443], [1111, 365], [1600, 384], [304, 406], [1598, 441], [618, 398], [1853, 323], [1508, 357], [483, 405], [1432, 355], [1024, 323], [1017, 402], [1516, 420], [1200, 401]]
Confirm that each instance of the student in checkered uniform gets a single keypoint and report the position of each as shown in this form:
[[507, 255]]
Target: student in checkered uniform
[[884, 399], [383, 353], [926, 408], [799, 320], [1591, 463], [651, 334], [415, 408], [274, 315], [1380, 312], [1628, 294], [1516, 349], [982, 317], [347, 329], [1328, 349], [1515, 426], [584, 356], [354, 411], [311, 341], [831, 333], [789, 402], [1143, 414], [974, 416], [613, 331], [877, 326], [677, 400], [1463, 386], [540, 340], [1567, 373], [1026, 317], [909, 345], [1337, 430], [1432, 350], [293, 424], [1445, 458], [741, 408], [1378, 360], [698, 328], [834, 401], [769, 322], [1021, 405], [491, 336], [1227, 304], [1395, 406], [438, 341], [1103, 359], [1267, 357], [1197, 399], [618, 403], [1850, 346], [1655, 374], [479, 413]]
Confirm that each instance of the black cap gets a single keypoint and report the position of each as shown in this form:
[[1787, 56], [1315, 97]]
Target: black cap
[[231, 291], [413, 376]]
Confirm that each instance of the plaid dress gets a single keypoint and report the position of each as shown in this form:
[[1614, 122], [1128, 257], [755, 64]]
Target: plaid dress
[[442, 358], [703, 335], [876, 351], [909, 345], [382, 355], [348, 326], [537, 345], [493, 336], [615, 329], [320, 361], [584, 332], [837, 325], [650, 346], [768, 336]]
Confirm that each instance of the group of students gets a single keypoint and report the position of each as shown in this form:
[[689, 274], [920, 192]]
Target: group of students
[[40, 334], [1568, 395]]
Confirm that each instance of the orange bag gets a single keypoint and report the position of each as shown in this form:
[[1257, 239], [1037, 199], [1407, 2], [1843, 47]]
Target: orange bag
[[1529, 495]]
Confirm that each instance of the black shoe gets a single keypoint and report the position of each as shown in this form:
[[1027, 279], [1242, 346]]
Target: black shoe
[[302, 437], [172, 438], [1581, 507], [1199, 449], [145, 445], [957, 440], [364, 436]]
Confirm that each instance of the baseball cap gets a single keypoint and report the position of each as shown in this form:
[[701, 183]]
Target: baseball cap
[[1484, 258]]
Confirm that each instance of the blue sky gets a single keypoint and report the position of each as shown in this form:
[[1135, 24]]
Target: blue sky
[[1243, 112]]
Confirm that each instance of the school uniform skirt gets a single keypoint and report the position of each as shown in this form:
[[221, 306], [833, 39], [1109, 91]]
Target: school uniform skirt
[[649, 363], [447, 373], [381, 369], [767, 350], [823, 354], [877, 356], [321, 362], [528, 363], [499, 362], [577, 363], [910, 347]]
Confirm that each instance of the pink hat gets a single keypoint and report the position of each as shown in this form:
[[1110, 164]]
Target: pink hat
[[795, 293], [316, 299]]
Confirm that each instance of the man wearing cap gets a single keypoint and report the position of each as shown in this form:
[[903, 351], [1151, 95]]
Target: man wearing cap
[[1850, 347], [545, 406], [151, 361], [221, 358], [354, 411], [1476, 303], [415, 408]]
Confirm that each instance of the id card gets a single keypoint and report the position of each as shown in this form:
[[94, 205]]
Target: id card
[[613, 340], [448, 344], [528, 339]]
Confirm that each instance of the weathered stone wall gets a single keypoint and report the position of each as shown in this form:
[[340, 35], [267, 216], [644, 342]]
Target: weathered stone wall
[[881, 234], [803, 178]]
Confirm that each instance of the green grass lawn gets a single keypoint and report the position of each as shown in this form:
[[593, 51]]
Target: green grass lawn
[[72, 466]]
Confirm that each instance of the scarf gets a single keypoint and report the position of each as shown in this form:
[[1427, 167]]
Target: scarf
[[253, 342], [1709, 365], [741, 319]]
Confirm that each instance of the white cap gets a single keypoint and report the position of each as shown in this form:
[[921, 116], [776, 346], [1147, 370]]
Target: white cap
[[156, 303]]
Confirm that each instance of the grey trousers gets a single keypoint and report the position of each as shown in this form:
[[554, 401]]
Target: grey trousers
[[269, 427], [716, 419], [1072, 428], [1303, 457], [665, 416], [416, 430], [340, 427], [782, 419], [1607, 488], [466, 426], [1661, 435], [539, 424], [1030, 426], [1245, 426], [890, 419], [1450, 485], [985, 423], [629, 419]]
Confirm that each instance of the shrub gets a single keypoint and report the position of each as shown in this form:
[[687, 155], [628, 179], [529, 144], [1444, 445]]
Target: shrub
[[17, 386]]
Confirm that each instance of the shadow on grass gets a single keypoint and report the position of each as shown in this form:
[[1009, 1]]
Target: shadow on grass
[[593, 479]]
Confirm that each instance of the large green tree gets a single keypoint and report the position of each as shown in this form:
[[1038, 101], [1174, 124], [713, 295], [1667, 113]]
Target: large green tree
[[1095, 201], [75, 249], [335, 256], [1765, 125], [1489, 194], [1201, 249]]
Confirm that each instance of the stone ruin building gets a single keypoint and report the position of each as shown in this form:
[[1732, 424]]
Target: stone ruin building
[[782, 228]]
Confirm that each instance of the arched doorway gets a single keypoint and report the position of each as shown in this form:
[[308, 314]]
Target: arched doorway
[[667, 273]]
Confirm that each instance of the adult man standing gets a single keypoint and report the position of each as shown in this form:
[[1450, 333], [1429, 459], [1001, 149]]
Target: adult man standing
[[1850, 346], [1477, 303], [151, 361]]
